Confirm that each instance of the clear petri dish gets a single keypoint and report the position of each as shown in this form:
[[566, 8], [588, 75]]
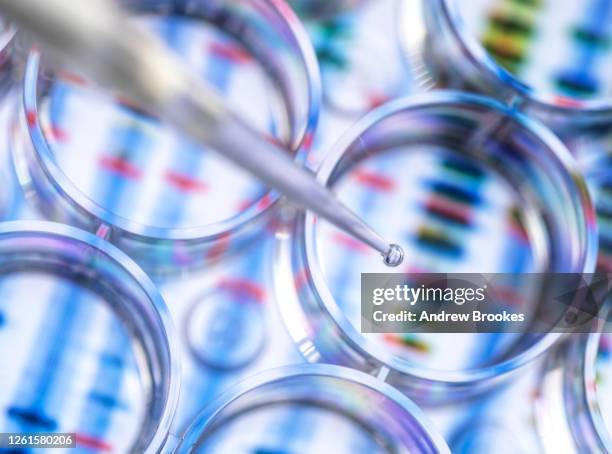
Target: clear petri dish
[[213, 320], [342, 410], [463, 184], [550, 59], [90, 159], [86, 340], [573, 404]]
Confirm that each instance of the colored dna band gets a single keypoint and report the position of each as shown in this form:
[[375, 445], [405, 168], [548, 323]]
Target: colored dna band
[[509, 32], [451, 204], [592, 39], [322, 9], [346, 45]]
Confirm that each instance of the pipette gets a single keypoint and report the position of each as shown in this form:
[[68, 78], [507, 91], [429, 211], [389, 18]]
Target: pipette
[[98, 38]]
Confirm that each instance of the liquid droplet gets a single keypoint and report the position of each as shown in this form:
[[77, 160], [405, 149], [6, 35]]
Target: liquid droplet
[[394, 256]]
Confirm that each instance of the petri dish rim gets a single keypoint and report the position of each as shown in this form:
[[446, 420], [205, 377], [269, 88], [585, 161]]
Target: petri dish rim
[[329, 305], [211, 411], [584, 358]]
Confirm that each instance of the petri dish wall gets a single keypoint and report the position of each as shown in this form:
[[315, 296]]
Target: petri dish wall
[[334, 403], [90, 159], [94, 353], [550, 59], [464, 185], [576, 382]]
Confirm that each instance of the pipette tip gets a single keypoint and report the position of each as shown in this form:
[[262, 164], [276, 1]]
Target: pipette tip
[[394, 256]]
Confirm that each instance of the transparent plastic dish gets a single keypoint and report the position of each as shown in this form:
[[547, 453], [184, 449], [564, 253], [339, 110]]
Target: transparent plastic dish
[[548, 59], [342, 410], [463, 184], [87, 343], [573, 404], [91, 160]]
